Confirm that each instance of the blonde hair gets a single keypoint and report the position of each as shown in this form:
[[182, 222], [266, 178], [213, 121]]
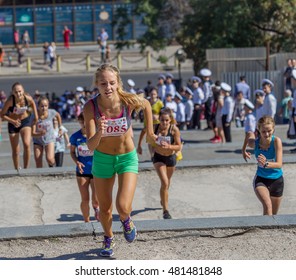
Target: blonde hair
[[264, 121], [129, 99]]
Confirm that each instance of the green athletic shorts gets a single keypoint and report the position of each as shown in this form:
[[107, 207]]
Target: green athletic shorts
[[105, 166]]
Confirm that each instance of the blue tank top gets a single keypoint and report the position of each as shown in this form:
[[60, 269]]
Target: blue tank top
[[115, 126], [268, 173]]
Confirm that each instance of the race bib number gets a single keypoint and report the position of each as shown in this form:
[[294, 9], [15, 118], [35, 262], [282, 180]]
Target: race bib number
[[166, 139], [115, 127], [20, 110], [84, 151]]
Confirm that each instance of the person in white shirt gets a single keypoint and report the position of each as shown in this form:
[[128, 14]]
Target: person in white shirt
[[189, 107], [170, 103], [170, 87], [161, 87], [180, 114], [227, 111], [269, 105], [259, 103]]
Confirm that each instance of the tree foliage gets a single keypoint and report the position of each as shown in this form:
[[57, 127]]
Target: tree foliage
[[205, 24]]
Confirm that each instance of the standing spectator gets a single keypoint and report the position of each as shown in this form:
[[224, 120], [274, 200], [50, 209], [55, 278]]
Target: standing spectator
[[43, 133], [170, 87], [108, 54], [16, 38], [208, 94], [156, 106], [2, 54], [61, 142], [52, 53], [83, 157], [102, 40], [250, 120], [189, 107], [45, 53], [243, 87], [284, 110], [216, 121], [26, 40], [239, 109], [2, 101], [170, 103], [161, 87], [20, 54], [109, 134], [168, 143], [227, 111], [131, 84], [66, 35], [260, 95], [269, 104], [198, 97], [268, 182], [287, 74], [148, 88], [180, 114], [17, 111]]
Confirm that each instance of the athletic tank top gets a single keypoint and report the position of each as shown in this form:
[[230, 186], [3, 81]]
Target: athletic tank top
[[115, 126], [269, 173], [18, 110], [169, 138]]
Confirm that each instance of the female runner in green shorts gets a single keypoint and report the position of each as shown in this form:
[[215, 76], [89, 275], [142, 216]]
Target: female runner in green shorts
[[110, 136]]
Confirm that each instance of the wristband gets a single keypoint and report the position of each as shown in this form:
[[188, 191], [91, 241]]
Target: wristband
[[265, 165]]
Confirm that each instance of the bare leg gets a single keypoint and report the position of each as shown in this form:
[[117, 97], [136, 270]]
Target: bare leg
[[104, 188], [26, 137], [275, 201], [263, 195], [15, 147], [38, 155], [49, 151], [127, 183], [83, 185]]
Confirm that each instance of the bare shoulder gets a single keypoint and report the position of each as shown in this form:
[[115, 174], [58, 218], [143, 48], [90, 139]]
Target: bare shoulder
[[277, 140]]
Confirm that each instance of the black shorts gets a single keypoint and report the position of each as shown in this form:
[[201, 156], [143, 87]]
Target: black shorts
[[24, 122], [169, 161], [84, 175], [275, 186]]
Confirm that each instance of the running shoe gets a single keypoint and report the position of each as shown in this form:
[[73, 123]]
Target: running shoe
[[97, 214], [166, 215], [107, 249], [129, 230]]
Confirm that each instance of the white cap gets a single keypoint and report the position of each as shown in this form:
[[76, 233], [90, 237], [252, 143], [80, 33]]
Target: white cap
[[205, 72], [225, 87], [79, 89], [266, 81], [249, 104], [131, 83]]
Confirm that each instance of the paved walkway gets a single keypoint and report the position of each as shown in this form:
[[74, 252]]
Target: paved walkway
[[211, 189], [73, 61]]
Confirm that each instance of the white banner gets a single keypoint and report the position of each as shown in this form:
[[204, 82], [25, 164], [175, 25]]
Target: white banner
[[146, 269]]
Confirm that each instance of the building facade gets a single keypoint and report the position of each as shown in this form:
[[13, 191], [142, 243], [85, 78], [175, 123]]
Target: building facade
[[45, 20]]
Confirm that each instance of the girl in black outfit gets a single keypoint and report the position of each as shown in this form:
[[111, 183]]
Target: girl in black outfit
[[168, 143]]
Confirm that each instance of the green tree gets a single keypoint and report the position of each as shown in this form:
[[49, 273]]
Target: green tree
[[205, 24]]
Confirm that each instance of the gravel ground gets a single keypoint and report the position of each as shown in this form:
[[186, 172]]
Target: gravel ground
[[221, 244]]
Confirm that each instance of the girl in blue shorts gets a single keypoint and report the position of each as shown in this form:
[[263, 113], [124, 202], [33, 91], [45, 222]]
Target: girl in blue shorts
[[83, 157]]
